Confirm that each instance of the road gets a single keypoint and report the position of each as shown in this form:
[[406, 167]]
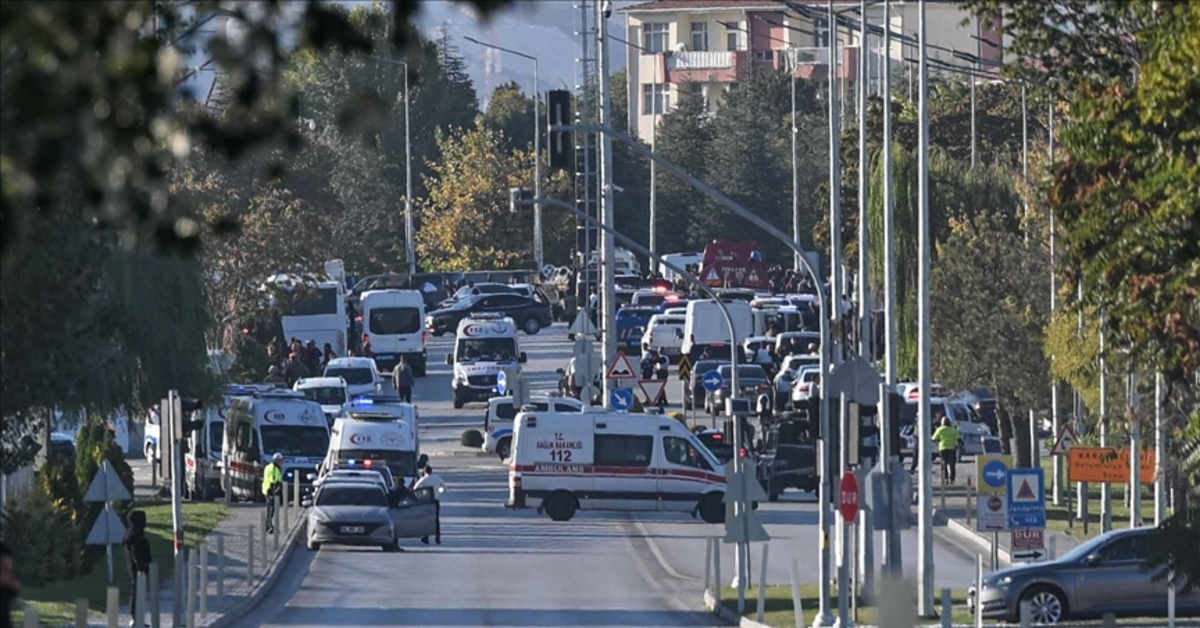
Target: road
[[499, 567]]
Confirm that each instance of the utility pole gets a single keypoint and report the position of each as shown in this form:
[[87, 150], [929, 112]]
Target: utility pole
[[1054, 418], [891, 545], [863, 284], [653, 166], [796, 264], [1105, 488], [1135, 452], [1160, 451], [409, 237], [925, 601], [539, 246], [607, 270]]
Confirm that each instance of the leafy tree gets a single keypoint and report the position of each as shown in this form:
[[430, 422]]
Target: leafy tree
[[510, 113], [992, 285], [684, 137]]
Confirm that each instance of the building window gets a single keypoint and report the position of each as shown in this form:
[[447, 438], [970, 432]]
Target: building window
[[654, 99], [733, 36], [764, 55], [700, 36], [821, 26], [654, 37]]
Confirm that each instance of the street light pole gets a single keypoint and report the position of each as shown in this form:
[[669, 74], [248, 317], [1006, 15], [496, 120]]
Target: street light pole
[[607, 267], [863, 285], [653, 168], [795, 165], [891, 546], [925, 601], [409, 237]]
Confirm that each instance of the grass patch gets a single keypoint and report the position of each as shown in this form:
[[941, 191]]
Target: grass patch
[[56, 601], [779, 611], [1058, 517]]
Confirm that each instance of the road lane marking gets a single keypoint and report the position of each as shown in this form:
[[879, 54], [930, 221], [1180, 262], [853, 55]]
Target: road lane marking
[[658, 555]]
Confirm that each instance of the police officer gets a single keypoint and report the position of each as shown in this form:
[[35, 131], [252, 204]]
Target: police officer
[[272, 487]]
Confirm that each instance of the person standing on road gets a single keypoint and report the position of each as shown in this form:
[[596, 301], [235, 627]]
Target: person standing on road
[[431, 480], [946, 436], [272, 487], [137, 557], [10, 586], [403, 380]]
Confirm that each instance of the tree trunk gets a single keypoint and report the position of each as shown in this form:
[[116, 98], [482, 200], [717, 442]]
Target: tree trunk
[[1023, 454], [1005, 426]]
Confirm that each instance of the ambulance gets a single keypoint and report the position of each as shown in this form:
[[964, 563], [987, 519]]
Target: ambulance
[[263, 423], [385, 434], [498, 422], [484, 345], [563, 462]]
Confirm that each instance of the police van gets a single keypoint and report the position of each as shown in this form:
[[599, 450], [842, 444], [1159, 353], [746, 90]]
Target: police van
[[484, 345], [393, 324], [384, 434], [263, 423], [498, 422], [563, 462]]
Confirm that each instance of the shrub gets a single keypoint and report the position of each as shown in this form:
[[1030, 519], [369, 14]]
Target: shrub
[[45, 538], [94, 445], [472, 439]]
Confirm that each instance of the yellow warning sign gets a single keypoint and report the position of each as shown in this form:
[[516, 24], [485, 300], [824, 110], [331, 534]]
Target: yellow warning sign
[[1106, 465], [685, 369]]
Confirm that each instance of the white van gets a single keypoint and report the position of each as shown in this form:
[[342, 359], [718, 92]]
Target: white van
[[706, 328], [664, 332], [360, 374], [331, 392], [267, 423], [681, 260], [378, 435], [498, 422], [393, 321], [563, 462], [484, 345]]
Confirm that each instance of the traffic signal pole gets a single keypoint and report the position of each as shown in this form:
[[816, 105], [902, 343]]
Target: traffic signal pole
[[607, 268]]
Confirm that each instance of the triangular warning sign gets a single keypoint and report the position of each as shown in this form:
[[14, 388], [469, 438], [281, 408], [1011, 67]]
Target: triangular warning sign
[[653, 390], [621, 368], [712, 275], [1066, 438], [745, 528], [1026, 491]]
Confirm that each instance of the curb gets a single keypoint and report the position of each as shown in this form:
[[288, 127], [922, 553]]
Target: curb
[[264, 585], [720, 610], [982, 545]]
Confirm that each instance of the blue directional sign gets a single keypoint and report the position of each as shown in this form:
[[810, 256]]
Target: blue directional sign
[[1027, 498], [501, 383], [995, 473], [621, 399], [712, 381]]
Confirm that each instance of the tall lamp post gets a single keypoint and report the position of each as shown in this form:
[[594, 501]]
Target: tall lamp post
[[410, 250], [538, 244]]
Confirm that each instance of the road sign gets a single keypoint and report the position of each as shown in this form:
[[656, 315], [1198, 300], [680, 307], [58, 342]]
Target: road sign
[[743, 488], [653, 390], [991, 473], [848, 497], [1027, 544], [621, 368], [685, 368], [991, 514], [108, 529], [1106, 465], [712, 380], [857, 379], [501, 383], [582, 325], [621, 399], [1066, 438], [106, 486], [1026, 498]]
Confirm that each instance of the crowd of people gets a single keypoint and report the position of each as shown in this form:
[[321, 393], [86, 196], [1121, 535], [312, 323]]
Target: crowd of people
[[298, 361]]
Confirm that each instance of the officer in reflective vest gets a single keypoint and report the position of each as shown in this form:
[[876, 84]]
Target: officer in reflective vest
[[272, 487]]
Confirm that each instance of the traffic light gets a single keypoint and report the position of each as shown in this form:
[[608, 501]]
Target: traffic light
[[895, 403], [191, 418], [561, 146]]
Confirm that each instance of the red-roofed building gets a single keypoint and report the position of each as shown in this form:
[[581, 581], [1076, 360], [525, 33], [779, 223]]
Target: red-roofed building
[[719, 43]]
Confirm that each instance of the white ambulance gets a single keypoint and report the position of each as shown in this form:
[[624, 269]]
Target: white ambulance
[[563, 463], [498, 422], [384, 434], [484, 346], [267, 422]]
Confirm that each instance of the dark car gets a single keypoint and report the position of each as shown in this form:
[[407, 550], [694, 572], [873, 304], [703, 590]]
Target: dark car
[[789, 457], [476, 290], [752, 381], [528, 314], [721, 447], [696, 399]]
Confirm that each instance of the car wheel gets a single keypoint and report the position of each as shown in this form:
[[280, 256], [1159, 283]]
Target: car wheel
[[531, 326], [1048, 605], [504, 448], [313, 546], [560, 506], [712, 509]]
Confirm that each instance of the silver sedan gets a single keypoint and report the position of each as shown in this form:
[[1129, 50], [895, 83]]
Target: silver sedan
[[351, 513]]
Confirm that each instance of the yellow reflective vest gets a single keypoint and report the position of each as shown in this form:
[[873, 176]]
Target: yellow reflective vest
[[946, 437], [272, 475]]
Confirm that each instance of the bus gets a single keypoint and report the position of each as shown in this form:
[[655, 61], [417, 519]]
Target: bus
[[312, 310]]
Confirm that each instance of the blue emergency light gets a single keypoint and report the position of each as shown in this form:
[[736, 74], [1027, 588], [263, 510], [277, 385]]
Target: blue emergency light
[[364, 401]]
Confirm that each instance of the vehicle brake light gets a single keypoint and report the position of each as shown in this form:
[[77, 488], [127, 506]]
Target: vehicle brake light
[[718, 436], [742, 452], [660, 289], [359, 318]]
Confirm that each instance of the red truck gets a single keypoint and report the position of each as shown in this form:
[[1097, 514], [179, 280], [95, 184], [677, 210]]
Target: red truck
[[729, 264]]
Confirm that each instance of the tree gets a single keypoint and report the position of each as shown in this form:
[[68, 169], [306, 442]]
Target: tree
[[990, 314], [510, 113], [684, 137], [466, 217]]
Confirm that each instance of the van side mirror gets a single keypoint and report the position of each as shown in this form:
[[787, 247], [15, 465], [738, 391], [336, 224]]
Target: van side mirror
[[306, 502], [449, 360], [522, 359]]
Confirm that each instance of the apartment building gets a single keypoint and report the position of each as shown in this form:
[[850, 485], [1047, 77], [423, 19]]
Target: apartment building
[[719, 43]]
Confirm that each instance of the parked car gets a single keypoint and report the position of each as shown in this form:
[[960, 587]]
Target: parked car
[[529, 315], [752, 382], [696, 384], [476, 290]]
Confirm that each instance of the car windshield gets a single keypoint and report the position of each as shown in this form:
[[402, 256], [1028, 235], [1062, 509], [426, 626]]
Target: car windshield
[[353, 376], [295, 440], [704, 366], [216, 436], [393, 321], [334, 495], [326, 395], [746, 373], [400, 463], [485, 350]]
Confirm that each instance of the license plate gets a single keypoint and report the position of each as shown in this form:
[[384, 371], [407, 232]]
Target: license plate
[[670, 350], [352, 530]]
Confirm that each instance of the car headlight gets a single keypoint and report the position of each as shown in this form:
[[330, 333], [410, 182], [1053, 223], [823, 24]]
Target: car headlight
[[998, 583]]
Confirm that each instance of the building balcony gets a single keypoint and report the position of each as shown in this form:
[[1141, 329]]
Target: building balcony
[[705, 66], [813, 63]]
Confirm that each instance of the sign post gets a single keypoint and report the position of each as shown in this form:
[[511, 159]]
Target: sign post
[[108, 530], [685, 378]]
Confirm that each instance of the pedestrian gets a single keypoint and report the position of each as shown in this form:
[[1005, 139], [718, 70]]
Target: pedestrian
[[274, 376], [431, 480], [137, 558], [328, 355], [272, 487], [403, 380], [946, 436], [10, 587]]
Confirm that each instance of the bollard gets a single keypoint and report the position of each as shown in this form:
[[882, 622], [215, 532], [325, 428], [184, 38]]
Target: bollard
[[203, 602], [1026, 614], [220, 570], [1109, 620], [947, 609], [262, 536], [275, 535], [970, 500], [193, 578], [708, 556], [1052, 551], [979, 588], [155, 618], [81, 613], [797, 597], [717, 572], [139, 612], [286, 518], [112, 607], [249, 555], [31, 616], [762, 583], [296, 492]]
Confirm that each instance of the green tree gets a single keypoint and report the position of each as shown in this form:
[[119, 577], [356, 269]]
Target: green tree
[[510, 113], [684, 137]]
